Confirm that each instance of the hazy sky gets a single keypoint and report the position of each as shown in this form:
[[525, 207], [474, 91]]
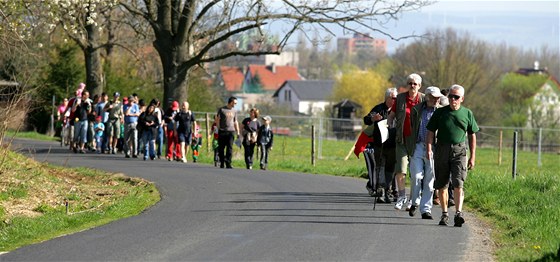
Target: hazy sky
[[525, 24]]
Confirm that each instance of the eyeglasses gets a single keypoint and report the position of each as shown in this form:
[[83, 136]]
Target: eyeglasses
[[456, 97], [413, 84]]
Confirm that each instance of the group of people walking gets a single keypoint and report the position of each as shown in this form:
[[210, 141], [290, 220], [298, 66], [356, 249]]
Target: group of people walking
[[252, 134], [133, 127], [128, 126], [427, 135]]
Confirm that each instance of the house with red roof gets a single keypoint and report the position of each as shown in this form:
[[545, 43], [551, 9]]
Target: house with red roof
[[230, 78], [254, 84]]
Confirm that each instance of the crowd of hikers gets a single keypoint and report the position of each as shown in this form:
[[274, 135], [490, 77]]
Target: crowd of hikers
[[132, 127], [429, 134], [128, 126]]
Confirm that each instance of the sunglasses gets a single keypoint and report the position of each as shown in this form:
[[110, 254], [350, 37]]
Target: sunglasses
[[456, 97]]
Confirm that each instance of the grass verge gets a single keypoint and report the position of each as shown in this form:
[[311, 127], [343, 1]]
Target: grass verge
[[34, 195]]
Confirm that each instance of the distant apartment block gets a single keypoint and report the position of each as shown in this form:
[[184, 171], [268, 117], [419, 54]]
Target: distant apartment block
[[361, 42]]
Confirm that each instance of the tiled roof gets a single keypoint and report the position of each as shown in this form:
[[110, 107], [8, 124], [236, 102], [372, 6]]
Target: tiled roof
[[270, 80], [232, 77]]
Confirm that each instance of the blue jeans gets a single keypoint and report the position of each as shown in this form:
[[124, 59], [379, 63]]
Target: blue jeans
[[80, 131], [159, 141], [149, 144], [422, 178]]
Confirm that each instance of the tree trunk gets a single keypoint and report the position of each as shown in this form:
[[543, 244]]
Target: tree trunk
[[175, 72], [94, 68]]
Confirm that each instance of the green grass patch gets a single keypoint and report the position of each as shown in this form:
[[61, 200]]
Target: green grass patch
[[31, 135], [34, 196]]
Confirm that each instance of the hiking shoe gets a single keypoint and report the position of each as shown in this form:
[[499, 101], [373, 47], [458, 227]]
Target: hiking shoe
[[412, 210], [427, 215], [400, 202], [369, 189], [444, 220], [459, 220]]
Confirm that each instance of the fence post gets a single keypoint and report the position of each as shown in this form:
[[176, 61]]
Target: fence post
[[539, 163], [208, 133], [514, 164], [500, 148], [313, 145], [320, 137]]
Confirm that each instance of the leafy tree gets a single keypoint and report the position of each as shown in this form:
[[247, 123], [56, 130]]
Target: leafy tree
[[64, 73], [518, 91], [367, 88], [191, 33], [87, 24]]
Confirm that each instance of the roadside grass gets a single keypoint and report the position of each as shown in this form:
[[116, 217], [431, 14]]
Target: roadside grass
[[34, 195], [523, 213], [30, 135]]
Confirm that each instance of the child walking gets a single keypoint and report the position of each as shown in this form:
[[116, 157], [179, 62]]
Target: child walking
[[265, 140], [99, 128]]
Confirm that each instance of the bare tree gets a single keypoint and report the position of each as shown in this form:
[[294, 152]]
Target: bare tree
[[447, 57], [190, 33]]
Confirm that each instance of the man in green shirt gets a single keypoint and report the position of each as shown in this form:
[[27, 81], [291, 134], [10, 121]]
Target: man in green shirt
[[453, 124]]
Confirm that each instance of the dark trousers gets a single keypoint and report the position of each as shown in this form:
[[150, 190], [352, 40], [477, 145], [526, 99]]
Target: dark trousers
[[249, 153], [371, 168], [264, 156], [225, 141]]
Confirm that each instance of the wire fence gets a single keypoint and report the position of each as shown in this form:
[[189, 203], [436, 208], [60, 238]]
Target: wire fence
[[529, 139]]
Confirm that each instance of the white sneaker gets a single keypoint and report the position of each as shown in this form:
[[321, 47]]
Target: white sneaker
[[184, 160], [409, 205], [400, 202]]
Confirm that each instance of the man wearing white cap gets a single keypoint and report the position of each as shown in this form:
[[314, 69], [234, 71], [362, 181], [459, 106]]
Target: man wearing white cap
[[421, 168]]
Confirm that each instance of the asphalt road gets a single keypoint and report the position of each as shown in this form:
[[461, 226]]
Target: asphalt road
[[207, 213]]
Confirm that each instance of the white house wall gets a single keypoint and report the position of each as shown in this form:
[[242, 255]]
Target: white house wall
[[313, 107]]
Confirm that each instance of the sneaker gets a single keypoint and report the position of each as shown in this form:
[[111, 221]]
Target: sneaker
[[400, 203], [412, 210], [427, 215], [444, 220], [459, 220], [369, 189], [408, 205]]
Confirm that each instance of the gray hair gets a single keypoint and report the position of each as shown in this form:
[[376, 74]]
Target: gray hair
[[458, 88], [390, 91], [416, 77]]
